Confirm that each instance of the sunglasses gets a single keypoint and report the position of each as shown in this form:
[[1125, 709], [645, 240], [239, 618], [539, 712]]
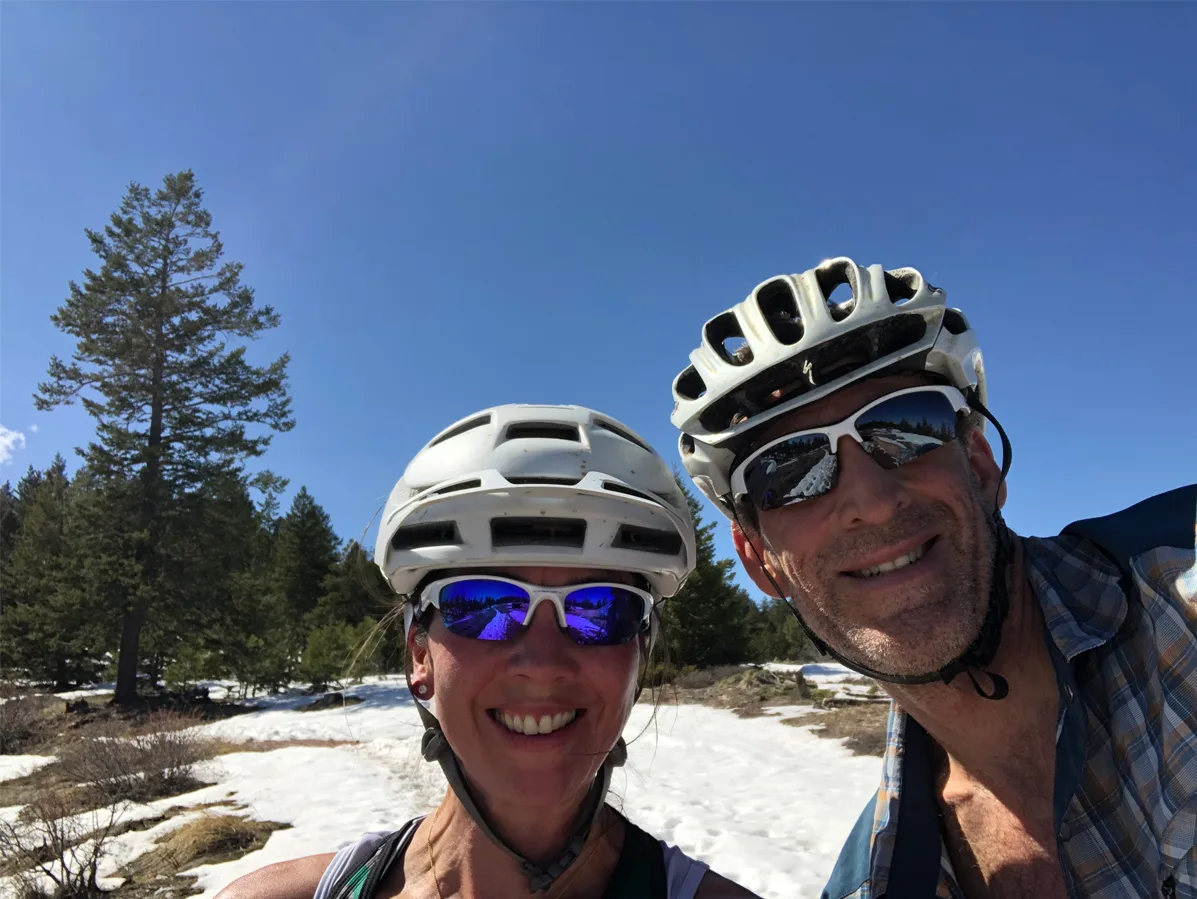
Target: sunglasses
[[895, 429], [496, 608]]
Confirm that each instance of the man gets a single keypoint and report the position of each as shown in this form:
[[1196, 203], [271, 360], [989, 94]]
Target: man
[[1043, 737]]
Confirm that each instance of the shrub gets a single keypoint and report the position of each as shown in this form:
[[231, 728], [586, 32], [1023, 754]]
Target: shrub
[[50, 843], [156, 763], [24, 722]]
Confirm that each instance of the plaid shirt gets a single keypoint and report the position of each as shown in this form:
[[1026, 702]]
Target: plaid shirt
[[1126, 773]]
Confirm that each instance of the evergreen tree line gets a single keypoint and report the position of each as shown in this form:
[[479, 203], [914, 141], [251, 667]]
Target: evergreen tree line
[[162, 558], [242, 592]]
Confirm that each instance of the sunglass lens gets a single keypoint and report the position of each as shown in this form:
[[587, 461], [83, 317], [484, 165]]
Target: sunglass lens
[[791, 471], [603, 615], [901, 429], [484, 609]]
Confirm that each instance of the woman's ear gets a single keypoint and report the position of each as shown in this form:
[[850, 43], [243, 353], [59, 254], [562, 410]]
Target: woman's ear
[[421, 662]]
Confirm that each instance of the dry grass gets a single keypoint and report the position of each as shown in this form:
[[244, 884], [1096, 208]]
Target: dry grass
[[225, 747], [746, 691], [861, 727], [209, 839]]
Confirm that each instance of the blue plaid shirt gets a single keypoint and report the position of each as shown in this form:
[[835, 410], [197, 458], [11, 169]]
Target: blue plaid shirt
[[1125, 652]]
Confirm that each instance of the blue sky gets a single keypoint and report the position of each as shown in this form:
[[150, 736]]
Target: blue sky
[[458, 205]]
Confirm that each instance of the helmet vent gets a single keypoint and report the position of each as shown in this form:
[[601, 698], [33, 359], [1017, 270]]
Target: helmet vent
[[648, 540], [690, 385], [543, 430], [461, 485], [475, 422], [901, 285], [838, 283], [618, 431], [954, 321], [821, 365], [780, 311], [626, 491], [538, 532], [433, 533], [566, 482], [725, 335]]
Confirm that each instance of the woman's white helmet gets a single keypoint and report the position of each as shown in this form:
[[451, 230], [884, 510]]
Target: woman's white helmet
[[796, 346], [537, 485]]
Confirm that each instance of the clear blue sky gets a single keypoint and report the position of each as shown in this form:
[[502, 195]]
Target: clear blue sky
[[459, 205]]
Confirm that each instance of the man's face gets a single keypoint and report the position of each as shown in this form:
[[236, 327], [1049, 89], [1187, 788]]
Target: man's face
[[823, 552]]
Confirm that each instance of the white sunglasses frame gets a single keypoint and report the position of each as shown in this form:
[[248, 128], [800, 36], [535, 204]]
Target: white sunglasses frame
[[844, 428], [430, 597]]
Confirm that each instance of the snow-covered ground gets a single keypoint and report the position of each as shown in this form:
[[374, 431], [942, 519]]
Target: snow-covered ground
[[14, 766], [763, 803]]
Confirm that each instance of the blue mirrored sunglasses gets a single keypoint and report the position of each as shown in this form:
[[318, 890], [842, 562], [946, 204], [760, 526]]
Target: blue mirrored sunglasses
[[483, 607]]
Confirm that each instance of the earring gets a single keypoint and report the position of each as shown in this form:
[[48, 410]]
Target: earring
[[422, 689]]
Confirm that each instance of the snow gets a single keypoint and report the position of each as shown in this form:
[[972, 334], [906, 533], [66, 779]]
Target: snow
[[817, 481], [763, 803], [14, 766]]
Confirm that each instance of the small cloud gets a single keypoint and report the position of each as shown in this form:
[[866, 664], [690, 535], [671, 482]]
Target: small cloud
[[33, 429], [10, 442]]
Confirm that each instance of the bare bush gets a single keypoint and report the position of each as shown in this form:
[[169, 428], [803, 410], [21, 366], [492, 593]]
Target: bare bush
[[51, 846], [157, 762], [24, 722]]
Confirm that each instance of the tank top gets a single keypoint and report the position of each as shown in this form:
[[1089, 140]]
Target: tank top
[[647, 868]]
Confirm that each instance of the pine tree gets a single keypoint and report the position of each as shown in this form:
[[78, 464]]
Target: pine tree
[[46, 630], [173, 402], [305, 554], [706, 622], [353, 591]]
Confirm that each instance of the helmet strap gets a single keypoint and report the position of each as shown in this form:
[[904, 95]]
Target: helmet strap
[[434, 747]]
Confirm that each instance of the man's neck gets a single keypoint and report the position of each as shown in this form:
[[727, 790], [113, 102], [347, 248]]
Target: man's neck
[[989, 739]]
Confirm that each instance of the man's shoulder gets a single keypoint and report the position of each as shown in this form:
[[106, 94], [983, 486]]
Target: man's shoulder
[[1164, 520]]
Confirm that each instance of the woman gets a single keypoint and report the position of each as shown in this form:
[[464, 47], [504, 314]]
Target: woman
[[530, 544]]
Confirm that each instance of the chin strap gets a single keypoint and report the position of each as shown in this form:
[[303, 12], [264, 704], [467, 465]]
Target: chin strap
[[982, 650], [435, 748]]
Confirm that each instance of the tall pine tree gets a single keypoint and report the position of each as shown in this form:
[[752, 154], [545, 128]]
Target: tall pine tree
[[706, 622], [172, 400]]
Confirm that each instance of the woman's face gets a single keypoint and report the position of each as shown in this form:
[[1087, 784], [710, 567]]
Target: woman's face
[[542, 674]]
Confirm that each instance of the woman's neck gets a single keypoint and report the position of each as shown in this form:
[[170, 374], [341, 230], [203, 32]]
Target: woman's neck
[[468, 864]]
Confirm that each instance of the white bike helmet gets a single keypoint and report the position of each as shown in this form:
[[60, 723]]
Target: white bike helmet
[[796, 346], [534, 485], [537, 485]]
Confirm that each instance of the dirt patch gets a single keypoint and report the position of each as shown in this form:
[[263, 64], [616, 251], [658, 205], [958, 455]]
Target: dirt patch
[[225, 747], [330, 701], [746, 691], [209, 839], [861, 727]]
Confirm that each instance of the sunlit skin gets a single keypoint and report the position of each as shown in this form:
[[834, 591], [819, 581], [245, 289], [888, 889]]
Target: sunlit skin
[[994, 761], [910, 621], [530, 787]]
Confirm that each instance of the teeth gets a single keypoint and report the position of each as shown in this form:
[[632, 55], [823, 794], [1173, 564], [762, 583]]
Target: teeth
[[893, 565], [528, 725]]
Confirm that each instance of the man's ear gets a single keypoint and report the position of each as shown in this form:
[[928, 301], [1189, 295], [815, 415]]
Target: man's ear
[[746, 549], [421, 662], [986, 468]]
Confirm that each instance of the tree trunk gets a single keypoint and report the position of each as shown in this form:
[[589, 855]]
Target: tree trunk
[[126, 663]]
